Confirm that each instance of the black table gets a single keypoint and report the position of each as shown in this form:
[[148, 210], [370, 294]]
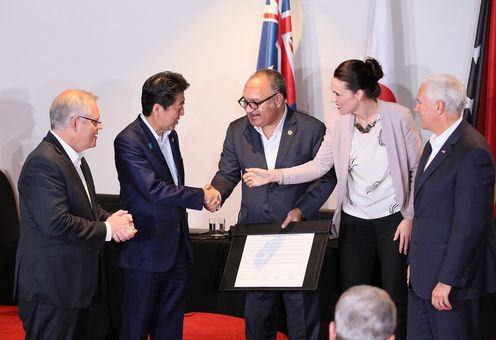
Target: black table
[[203, 293]]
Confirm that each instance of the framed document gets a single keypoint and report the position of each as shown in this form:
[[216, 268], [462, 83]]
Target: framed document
[[266, 257]]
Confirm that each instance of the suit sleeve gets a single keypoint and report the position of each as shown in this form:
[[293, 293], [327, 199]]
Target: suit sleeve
[[413, 152], [320, 190], [472, 214], [229, 173], [44, 191], [135, 170], [101, 213], [311, 170]]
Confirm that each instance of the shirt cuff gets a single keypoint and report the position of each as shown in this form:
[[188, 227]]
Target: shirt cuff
[[108, 237]]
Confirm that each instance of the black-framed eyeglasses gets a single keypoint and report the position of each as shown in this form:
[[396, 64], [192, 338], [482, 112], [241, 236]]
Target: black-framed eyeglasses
[[93, 121], [253, 105]]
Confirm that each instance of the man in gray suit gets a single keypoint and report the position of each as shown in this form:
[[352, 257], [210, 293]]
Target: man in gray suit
[[272, 135]]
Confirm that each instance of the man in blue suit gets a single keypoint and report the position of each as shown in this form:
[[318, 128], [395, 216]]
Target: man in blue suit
[[453, 250], [151, 176], [271, 135]]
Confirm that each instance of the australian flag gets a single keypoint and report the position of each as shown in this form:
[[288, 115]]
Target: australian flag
[[276, 44]]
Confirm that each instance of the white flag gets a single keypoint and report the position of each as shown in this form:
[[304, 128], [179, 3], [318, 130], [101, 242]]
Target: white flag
[[380, 46]]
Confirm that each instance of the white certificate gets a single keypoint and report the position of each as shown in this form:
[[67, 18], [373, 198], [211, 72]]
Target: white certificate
[[274, 260]]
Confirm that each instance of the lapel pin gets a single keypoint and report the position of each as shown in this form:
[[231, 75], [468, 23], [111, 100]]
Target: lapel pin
[[443, 151], [290, 132], [150, 146], [172, 139]]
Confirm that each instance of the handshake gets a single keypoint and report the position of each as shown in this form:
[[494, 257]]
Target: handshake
[[121, 223], [212, 199]]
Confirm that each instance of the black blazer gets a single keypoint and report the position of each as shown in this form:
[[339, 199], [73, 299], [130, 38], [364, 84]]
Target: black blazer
[[61, 233]]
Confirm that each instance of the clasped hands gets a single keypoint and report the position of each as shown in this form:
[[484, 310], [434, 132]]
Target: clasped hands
[[121, 223], [211, 200]]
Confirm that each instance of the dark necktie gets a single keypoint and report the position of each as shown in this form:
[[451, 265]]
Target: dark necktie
[[83, 173], [426, 154]]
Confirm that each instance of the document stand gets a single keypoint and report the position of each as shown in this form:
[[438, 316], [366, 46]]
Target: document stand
[[240, 232]]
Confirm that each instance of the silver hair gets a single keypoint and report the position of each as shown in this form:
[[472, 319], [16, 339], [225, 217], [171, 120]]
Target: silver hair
[[447, 88], [365, 313], [68, 104]]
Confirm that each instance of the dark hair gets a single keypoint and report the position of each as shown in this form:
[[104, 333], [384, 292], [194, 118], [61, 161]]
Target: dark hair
[[361, 75], [162, 88], [277, 82]]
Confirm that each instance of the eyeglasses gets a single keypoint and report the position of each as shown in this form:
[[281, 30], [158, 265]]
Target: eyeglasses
[[253, 105], [93, 121]]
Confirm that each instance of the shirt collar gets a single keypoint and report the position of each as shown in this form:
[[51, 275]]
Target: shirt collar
[[278, 129], [443, 137], [74, 156], [160, 139]]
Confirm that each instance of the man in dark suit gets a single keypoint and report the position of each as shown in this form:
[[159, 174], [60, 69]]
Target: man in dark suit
[[271, 135], [453, 250], [63, 228], [151, 174]]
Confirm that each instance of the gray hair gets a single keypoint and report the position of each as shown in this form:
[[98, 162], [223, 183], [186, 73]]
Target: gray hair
[[447, 88], [68, 104], [365, 313]]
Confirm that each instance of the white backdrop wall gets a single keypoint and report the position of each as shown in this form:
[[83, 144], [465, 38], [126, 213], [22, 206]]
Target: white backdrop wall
[[111, 47]]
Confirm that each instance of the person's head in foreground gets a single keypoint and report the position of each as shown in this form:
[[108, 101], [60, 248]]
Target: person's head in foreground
[[364, 313]]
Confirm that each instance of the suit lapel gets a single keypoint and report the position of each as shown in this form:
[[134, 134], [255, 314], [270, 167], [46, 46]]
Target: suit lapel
[[50, 138], [443, 153], [91, 186], [420, 168], [287, 137], [176, 153], [256, 145], [64, 157], [153, 149]]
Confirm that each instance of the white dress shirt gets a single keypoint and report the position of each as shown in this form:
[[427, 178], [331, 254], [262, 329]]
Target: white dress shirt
[[271, 145], [438, 141], [165, 147]]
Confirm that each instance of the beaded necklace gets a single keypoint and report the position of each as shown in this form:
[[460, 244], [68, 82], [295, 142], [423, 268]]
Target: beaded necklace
[[368, 127]]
